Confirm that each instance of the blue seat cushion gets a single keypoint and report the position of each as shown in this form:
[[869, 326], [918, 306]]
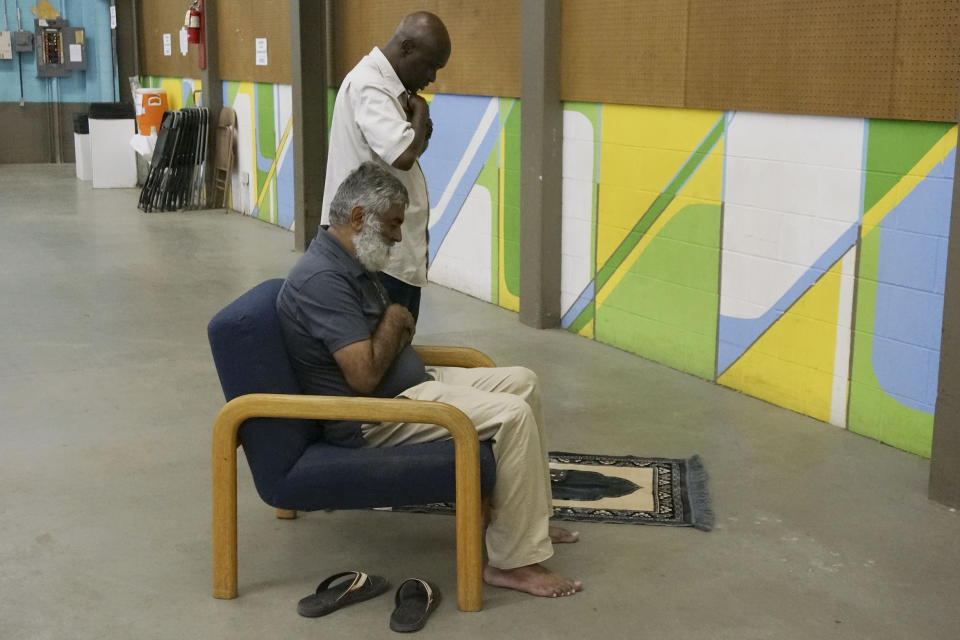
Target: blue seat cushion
[[292, 466]]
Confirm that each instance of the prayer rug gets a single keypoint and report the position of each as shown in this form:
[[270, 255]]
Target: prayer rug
[[623, 490]]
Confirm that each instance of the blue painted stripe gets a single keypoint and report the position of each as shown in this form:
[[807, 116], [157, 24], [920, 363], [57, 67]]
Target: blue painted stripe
[[454, 154], [910, 281], [578, 306]]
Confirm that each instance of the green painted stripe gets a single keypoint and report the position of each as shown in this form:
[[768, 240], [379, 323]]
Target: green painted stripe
[[584, 318], [659, 205], [632, 239]]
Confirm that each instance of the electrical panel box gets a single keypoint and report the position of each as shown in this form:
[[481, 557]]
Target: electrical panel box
[[23, 41], [6, 46], [61, 48]]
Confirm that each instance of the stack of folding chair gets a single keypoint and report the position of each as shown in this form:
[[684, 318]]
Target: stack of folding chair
[[177, 172]]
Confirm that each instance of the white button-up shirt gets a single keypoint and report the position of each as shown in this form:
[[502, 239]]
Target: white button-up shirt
[[370, 123]]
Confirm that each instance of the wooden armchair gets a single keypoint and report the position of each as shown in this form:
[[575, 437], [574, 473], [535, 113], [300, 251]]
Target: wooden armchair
[[295, 470]]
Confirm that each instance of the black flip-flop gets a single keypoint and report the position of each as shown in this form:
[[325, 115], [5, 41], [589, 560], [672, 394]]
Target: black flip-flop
[[328, 599], [416, 599]]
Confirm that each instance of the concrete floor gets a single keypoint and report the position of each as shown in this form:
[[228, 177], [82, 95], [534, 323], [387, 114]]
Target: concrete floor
[[108, 392]]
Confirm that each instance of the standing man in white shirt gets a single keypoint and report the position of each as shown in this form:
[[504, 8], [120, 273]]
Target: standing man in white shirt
[[379, 116]]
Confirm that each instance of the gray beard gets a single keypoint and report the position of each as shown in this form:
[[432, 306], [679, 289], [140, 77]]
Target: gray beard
[[372, 250]]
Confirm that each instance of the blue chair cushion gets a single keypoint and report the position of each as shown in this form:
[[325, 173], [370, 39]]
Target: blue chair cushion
[[292, 466]]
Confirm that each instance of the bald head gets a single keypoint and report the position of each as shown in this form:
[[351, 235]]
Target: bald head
[[418, 49], [423, 26]]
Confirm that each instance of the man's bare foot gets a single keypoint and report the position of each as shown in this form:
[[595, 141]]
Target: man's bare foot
[[534, 579], [559, 534]]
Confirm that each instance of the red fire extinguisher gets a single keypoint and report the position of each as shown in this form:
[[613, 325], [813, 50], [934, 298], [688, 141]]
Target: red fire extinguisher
[[193, 23]]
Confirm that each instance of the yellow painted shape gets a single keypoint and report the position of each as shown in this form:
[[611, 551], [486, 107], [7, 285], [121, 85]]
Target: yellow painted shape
[[937, 153], [45, 11], [587, 331], [792, 364], [704, 186], [507, 300], [174, 89], [641, 150]]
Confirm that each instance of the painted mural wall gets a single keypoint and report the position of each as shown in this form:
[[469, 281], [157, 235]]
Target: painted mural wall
[[472, 170], [262, 179], [798, 259]]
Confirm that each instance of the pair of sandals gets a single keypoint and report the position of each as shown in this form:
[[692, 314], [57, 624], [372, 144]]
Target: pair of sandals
[[415, 599]]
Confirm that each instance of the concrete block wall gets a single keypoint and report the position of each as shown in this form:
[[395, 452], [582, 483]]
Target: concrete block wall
[[798, 259]]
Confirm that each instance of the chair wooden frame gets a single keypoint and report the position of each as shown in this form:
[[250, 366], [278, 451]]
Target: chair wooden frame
[[263, 405]]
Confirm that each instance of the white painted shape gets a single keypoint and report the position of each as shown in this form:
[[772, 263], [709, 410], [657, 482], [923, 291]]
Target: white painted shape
[[489, 116], [573, 126], [577, 207], [579, 194], [839, 197], [803, 241], [775, 185], [572, 243], [243, 195], [570, 269], [283, 108], [817, 140], [841, 359], [791, 189], [577, 157], [759, 230], [463, 262], [746, 278]]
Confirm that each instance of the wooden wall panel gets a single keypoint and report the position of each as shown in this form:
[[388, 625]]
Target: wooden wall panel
[[818, 56], [857, 58], [926, 81], [485, 37], [240, 24], [624, 51], [155, 18]]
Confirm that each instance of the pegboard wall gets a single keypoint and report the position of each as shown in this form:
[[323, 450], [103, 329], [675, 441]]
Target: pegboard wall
[[859, 58], [154, 19], [833, 57], [624, 51], [485, 37], [865, 58], [927, 70], [239, 24]]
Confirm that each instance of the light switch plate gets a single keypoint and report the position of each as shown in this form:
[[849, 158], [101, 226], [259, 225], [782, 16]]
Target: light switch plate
[[6, 47]]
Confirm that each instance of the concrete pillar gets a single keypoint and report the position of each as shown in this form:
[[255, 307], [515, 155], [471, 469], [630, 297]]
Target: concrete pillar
[[128, 63], [308, 71], [212, 89], [541, 145], [945, 457]]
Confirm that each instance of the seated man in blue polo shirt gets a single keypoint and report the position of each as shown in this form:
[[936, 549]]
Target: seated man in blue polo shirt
[[346, 338]]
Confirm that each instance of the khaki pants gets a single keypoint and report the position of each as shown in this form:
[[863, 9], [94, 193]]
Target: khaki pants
[[504, 405]]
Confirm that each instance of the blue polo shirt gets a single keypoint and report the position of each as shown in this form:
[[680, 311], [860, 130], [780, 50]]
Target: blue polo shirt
[[328, 301]]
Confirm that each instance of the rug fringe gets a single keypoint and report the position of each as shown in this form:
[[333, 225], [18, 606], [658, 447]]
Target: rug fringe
[[700, 504]]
